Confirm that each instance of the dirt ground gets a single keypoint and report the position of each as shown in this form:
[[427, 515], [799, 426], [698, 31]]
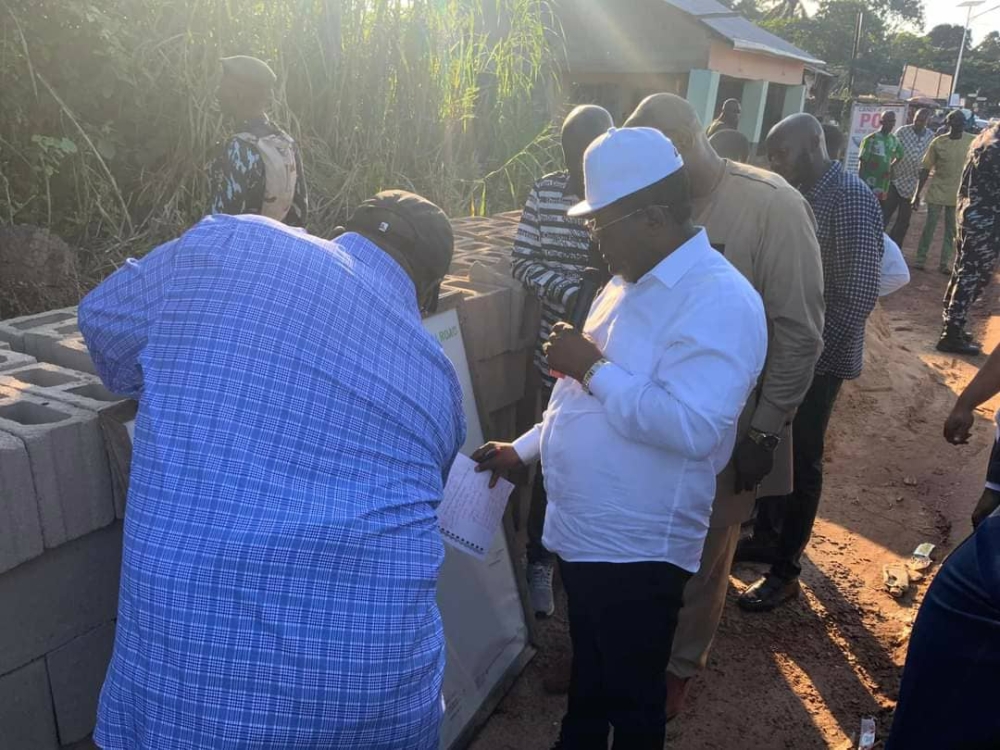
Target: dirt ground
[[804, 676]]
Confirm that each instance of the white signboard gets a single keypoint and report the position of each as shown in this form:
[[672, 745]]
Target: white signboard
[[865, 119], [484, 627]]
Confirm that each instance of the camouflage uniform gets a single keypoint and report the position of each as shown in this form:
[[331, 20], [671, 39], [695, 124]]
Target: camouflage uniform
[[237, 176], [978, 241]]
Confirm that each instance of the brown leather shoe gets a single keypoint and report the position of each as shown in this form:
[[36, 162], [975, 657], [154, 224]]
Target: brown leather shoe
[[676, 693]]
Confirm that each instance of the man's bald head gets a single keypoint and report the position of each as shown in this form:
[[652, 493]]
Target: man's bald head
[[732, 145], [796, 148], [672, 115], [580, 128]]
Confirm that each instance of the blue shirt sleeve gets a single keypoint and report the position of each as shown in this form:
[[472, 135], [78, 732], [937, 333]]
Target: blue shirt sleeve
[[116, 317]]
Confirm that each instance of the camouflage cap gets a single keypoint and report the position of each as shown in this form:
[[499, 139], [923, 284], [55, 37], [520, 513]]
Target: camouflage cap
[[249, 70]]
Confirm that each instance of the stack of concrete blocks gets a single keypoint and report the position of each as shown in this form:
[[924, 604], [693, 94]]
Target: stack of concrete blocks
[[499, 320], [61, 510], [60, 536]]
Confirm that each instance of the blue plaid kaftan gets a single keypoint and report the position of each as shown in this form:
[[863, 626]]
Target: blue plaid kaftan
[[295, 428]]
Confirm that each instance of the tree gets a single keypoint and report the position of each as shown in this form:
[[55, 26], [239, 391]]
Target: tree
[[990, 46], [947, 36]]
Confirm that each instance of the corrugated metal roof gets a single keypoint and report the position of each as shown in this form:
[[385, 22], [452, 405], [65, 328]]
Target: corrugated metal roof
[[743, 34]]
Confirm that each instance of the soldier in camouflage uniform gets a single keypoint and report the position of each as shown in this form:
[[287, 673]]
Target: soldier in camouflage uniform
[[978, 241], [248, 170]]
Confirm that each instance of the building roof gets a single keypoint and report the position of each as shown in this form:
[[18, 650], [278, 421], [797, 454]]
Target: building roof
[[743, 34]]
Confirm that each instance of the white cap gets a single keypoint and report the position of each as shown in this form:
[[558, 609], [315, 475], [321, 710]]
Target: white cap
[[622, 162]]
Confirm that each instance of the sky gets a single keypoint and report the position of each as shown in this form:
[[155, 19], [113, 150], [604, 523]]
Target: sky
[[944, 11]]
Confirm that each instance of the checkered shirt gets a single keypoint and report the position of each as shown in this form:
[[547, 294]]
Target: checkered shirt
[[906, 173], [296, 424], [849, 229]]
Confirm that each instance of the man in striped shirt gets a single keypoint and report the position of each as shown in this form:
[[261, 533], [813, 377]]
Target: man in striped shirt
[[550, 252]]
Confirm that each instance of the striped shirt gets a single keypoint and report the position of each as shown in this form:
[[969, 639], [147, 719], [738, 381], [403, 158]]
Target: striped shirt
[[550, 252]]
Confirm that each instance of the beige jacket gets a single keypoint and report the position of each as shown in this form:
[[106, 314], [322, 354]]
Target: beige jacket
[[767, 230]]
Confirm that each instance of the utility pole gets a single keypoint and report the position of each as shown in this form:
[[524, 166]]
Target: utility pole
[[854, 53], [970, 4]]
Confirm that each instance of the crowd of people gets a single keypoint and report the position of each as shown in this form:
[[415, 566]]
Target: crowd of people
[[297, 424]]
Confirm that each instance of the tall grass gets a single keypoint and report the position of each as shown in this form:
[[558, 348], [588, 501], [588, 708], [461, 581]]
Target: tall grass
[[108, 118]]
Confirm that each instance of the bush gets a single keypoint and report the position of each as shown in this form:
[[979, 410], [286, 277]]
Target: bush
[[109, 118]]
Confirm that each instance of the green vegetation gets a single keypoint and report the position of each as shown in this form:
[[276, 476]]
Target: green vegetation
[[108, 115], [888, 41]]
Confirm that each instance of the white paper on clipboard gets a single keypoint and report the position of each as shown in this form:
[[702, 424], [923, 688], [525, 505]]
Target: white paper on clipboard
[[471, 512]]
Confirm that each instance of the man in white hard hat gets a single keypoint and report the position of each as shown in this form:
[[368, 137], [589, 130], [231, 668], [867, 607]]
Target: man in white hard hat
[[637, 431]]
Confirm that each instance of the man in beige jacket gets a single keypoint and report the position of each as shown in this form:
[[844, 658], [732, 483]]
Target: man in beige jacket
[[766, 229]]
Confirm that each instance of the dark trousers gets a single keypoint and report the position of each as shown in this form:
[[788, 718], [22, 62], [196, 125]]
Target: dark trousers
[[948, 696], [975, 262], [622, 618], [539, 502], [901, 206], [788, 520]]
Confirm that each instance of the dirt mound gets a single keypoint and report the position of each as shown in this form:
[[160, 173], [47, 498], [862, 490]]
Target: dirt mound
[[37, 271]]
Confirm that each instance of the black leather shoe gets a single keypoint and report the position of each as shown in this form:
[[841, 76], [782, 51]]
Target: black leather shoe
[[767, 593], [954, 341], [754, 550]]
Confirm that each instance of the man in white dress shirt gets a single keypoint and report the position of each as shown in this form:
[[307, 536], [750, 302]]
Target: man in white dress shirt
[[637, 431]]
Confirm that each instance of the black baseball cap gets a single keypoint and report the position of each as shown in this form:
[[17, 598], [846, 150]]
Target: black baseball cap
[[411, 225]]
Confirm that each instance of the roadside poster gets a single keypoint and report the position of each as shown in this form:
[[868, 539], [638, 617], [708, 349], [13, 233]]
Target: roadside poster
[[867, 118]]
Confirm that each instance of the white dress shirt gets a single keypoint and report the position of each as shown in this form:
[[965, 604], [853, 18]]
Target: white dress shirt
[[630, 471], [895, 273]]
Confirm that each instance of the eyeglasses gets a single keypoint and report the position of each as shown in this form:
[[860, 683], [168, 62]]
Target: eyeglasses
[[594, 229]]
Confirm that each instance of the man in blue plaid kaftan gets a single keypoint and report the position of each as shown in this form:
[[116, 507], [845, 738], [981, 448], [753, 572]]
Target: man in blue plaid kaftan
[[295, 428]]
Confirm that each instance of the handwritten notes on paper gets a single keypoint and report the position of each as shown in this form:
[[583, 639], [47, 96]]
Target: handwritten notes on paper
[[470, 513]]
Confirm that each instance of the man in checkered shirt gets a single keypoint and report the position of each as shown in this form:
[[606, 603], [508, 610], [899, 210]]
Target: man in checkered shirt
[[296, 424], [849, 229]]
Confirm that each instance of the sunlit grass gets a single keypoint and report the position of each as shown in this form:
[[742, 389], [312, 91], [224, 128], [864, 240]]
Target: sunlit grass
[[443, 97]]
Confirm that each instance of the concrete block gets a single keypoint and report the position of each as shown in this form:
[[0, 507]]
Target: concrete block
[[26, 718], [76, 674], [118, 426], [12, 330], [20, 528], [10, 359], [60, 344], [72, 353], [485, 317], [500, 380], [68, 463], [37, 341], [79, 389], [49, 601]]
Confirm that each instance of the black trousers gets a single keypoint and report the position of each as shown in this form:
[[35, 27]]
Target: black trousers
[[793, 515], [901, 206], [622, 618]]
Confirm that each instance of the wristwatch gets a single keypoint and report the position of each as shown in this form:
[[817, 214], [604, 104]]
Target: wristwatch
[[589, 375], [765, 440]]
